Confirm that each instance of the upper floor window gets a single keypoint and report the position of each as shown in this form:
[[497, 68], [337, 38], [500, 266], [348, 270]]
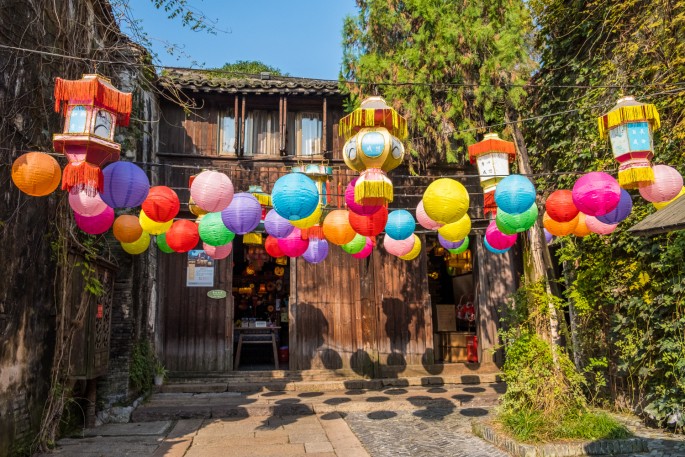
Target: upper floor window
[[262, 133], [77, 119], [228, 140], [304, 133], [103, 124]]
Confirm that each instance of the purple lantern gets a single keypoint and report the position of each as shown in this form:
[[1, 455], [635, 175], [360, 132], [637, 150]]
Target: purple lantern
[[548, 236], [622, 210], [366, 251], [596, 193], [277, 226], [125, 185], [293, 245], [316, 251], [97, 224], [243, 214], [498, 240], [363, 210], [449, 244]]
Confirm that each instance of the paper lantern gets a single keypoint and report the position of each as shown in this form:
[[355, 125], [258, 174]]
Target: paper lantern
[[515, 194], [161, 204], [559, 228], [493, 250], [125, 185], [560, 207], [461, 248], [370, 225], [293, 245], [516, 223], [97, 224], [445, 200], [548, 236], [366, 251], [663, 205], [423, 219], [355, 207], [356, 245], [212, 191], [667, 183], [497, 239], [492, 156], [336, 227], [598, 227], [415, 251], [400, 224], [243, 214], [581, 229], [160, 240], [152, 227], [36, 174], [399, 247], [272, 248], [456, 230], [373, 112], [218, 252], [449, 244], [316, 252], [596, 193], [277, 226], [127, 228], [309, 221], [295, 196], [182, 236], [139, 246], [621, 212], [212, 230], [85, 205]]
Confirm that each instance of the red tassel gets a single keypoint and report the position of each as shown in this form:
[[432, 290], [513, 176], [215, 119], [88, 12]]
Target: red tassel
[[489, 205], [93, 91], [83, 177]]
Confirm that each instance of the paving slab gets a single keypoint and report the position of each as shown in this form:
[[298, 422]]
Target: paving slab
[[132, 429]]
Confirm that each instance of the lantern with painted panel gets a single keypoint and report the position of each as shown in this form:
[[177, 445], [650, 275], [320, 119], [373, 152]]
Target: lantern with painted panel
[[492, 156]]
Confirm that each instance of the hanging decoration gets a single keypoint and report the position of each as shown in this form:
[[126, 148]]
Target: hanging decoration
[[293, 245], [415, 251], [492, 156], [621, 212], [400, 224], [596, 193], [127, 228], [462, 247], [367, 250], [97, 224], [272, 248], [277, 226], [600, 228], [336, 227], [423, 219], [152, 227], [212, 191], [182, 236], [213, 231], [497, 239], [581, 228], [663, 205], [357, 244], [458, 230], [160, 241], [515, 194], [399, 247], [309, 221], [295, 196], [493, 250], [139, 246], [560, 207], [445, 200], [371, 225], [218, 252], [317, 251], [243, 214], [559, 228], [161, 204], [321, 174], [510, 224], [86, 205], [125, 185], [36, 174], [367, 209], [667, 183]]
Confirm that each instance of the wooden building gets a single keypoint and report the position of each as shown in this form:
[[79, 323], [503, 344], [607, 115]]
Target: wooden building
[[380, 317]]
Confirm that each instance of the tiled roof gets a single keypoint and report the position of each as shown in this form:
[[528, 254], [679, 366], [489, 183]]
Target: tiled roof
[[668, 219], [217, 82]]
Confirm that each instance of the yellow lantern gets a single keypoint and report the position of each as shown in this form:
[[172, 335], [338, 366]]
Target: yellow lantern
[[139, 246], [416, 250], [456, 231], [153, 227]]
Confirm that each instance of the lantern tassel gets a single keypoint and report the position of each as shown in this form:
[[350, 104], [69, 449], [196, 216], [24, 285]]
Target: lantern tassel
[[635, 177], [628, 114], [373, 189], [83, 177]]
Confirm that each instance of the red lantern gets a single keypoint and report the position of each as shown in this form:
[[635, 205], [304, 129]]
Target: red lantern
[[182, 236], [272, 248], [161, 204], [560, 207], [371, 225]]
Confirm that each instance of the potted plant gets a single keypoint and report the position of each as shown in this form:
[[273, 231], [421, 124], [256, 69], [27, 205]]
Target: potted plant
[[159, 372]]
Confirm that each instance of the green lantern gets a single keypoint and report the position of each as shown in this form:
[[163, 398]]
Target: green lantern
[[464, 246], [161, 244], [510, 224], [356, 245], [213, 231]]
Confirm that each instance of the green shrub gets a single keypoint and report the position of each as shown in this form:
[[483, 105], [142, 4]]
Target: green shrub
[[141, 367]]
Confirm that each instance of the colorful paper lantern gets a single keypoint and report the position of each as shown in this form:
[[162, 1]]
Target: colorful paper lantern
[[515, 194], [97, 224], [461, 248], [336, 227], [127, 229], [400, 224], [356, 245], [139, 246], [316, 252], [445, 200], [277, 226], [295, 196], [85, 205], [161, 204], [492, 156], [243, 214], [559, 228], [516, 223], [621, 212], [218, 252], [598, 227], [497, 239], [152, 227], [125, 185], [560, 207], [182, 236], [663, 205], [36, 173], [549, 237], [366, 251], [415, 251], [309, 221], [456, 231], [212, 191], [272, 248], [493, 250], [581, 229], [667, 183], [596, 193], [212, 230], [160, 241], [355, 207], [423, 219], [293, 245], [371, 225], [399, 247], [449, 244]]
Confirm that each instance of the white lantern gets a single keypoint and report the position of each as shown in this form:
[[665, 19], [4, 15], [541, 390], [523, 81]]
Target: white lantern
[[492, 156]]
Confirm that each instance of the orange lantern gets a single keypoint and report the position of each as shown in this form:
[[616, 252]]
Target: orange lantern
[[581, 229], [370, 225], [36, 174], [560, 207], [127, 228], [337, 228], [559, 228]]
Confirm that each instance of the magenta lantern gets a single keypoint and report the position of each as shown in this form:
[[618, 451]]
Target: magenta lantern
[[243, 214], [364, 210], [95, 225], [293, 245], [600, 228], [317, 250], [423, 219], [212, 191], [596, 193], [218, 252], [85, 205], [277, 226], [366, 251], [398, 247], [498, 240], [667, 184]]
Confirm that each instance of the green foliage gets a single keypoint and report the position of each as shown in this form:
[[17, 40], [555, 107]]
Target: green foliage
[[91, 281], [141, 367], [190, 17], [252, 67]]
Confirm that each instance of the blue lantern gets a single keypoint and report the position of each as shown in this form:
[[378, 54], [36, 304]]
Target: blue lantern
[[400, 225], [295, 196], [125, 185], [515, 194]]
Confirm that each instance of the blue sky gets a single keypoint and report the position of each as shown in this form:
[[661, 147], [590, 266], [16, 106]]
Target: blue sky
[[300, 37]]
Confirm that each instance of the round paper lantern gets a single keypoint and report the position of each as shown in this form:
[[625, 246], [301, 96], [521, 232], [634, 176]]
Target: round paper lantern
[[160, 240], [243, 214], [97, 224], [316, 252], [662, 205], [581, 229], [355, 207], [309, 221], [560, 207], [218, 252], [515, 194], [370, 225], [493, 250], [277, 226], [85, 205], [548, 236], [213, 231], [356, 245], [399, 247], [449, 244], [139, 246], [445, 200], [336, 227], [667, 183], [127, 228], [497, 239], [295, 196], [516, 223], [368, 249], [182, 236], [596, 193], [456, 231], [415, 251], [36, 173], [463, 247], [212, 191], [293, 245], [400, 225], [125, 185], [152, 227], [600, 228], [423, 219], [161, 204], [559, 228], [621, 212], [272, 248]]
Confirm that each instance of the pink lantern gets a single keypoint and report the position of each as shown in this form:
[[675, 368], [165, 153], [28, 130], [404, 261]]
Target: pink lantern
[[212, 191], [598, 227], [399, 247], [95, 225], [364, 210], [366, 251], [667, 183], [293, 245], [423, 219], [218, 252], [596, 193], [85, 205], [497, 239]]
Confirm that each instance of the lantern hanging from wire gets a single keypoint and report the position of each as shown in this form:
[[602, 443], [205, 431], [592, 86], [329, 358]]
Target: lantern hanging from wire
[[492, 157], [321, 174], [36, 173]]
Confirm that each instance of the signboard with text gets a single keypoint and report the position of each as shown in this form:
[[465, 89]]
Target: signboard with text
[[200, 269]]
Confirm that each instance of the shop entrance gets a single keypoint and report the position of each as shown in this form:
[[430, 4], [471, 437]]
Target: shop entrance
[[261, 289]]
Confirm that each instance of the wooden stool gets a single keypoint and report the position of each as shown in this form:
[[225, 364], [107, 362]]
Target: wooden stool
[[241, 340]]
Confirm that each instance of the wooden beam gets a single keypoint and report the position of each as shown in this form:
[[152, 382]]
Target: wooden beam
[[324, 127], [242, 129], [236, 127]]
